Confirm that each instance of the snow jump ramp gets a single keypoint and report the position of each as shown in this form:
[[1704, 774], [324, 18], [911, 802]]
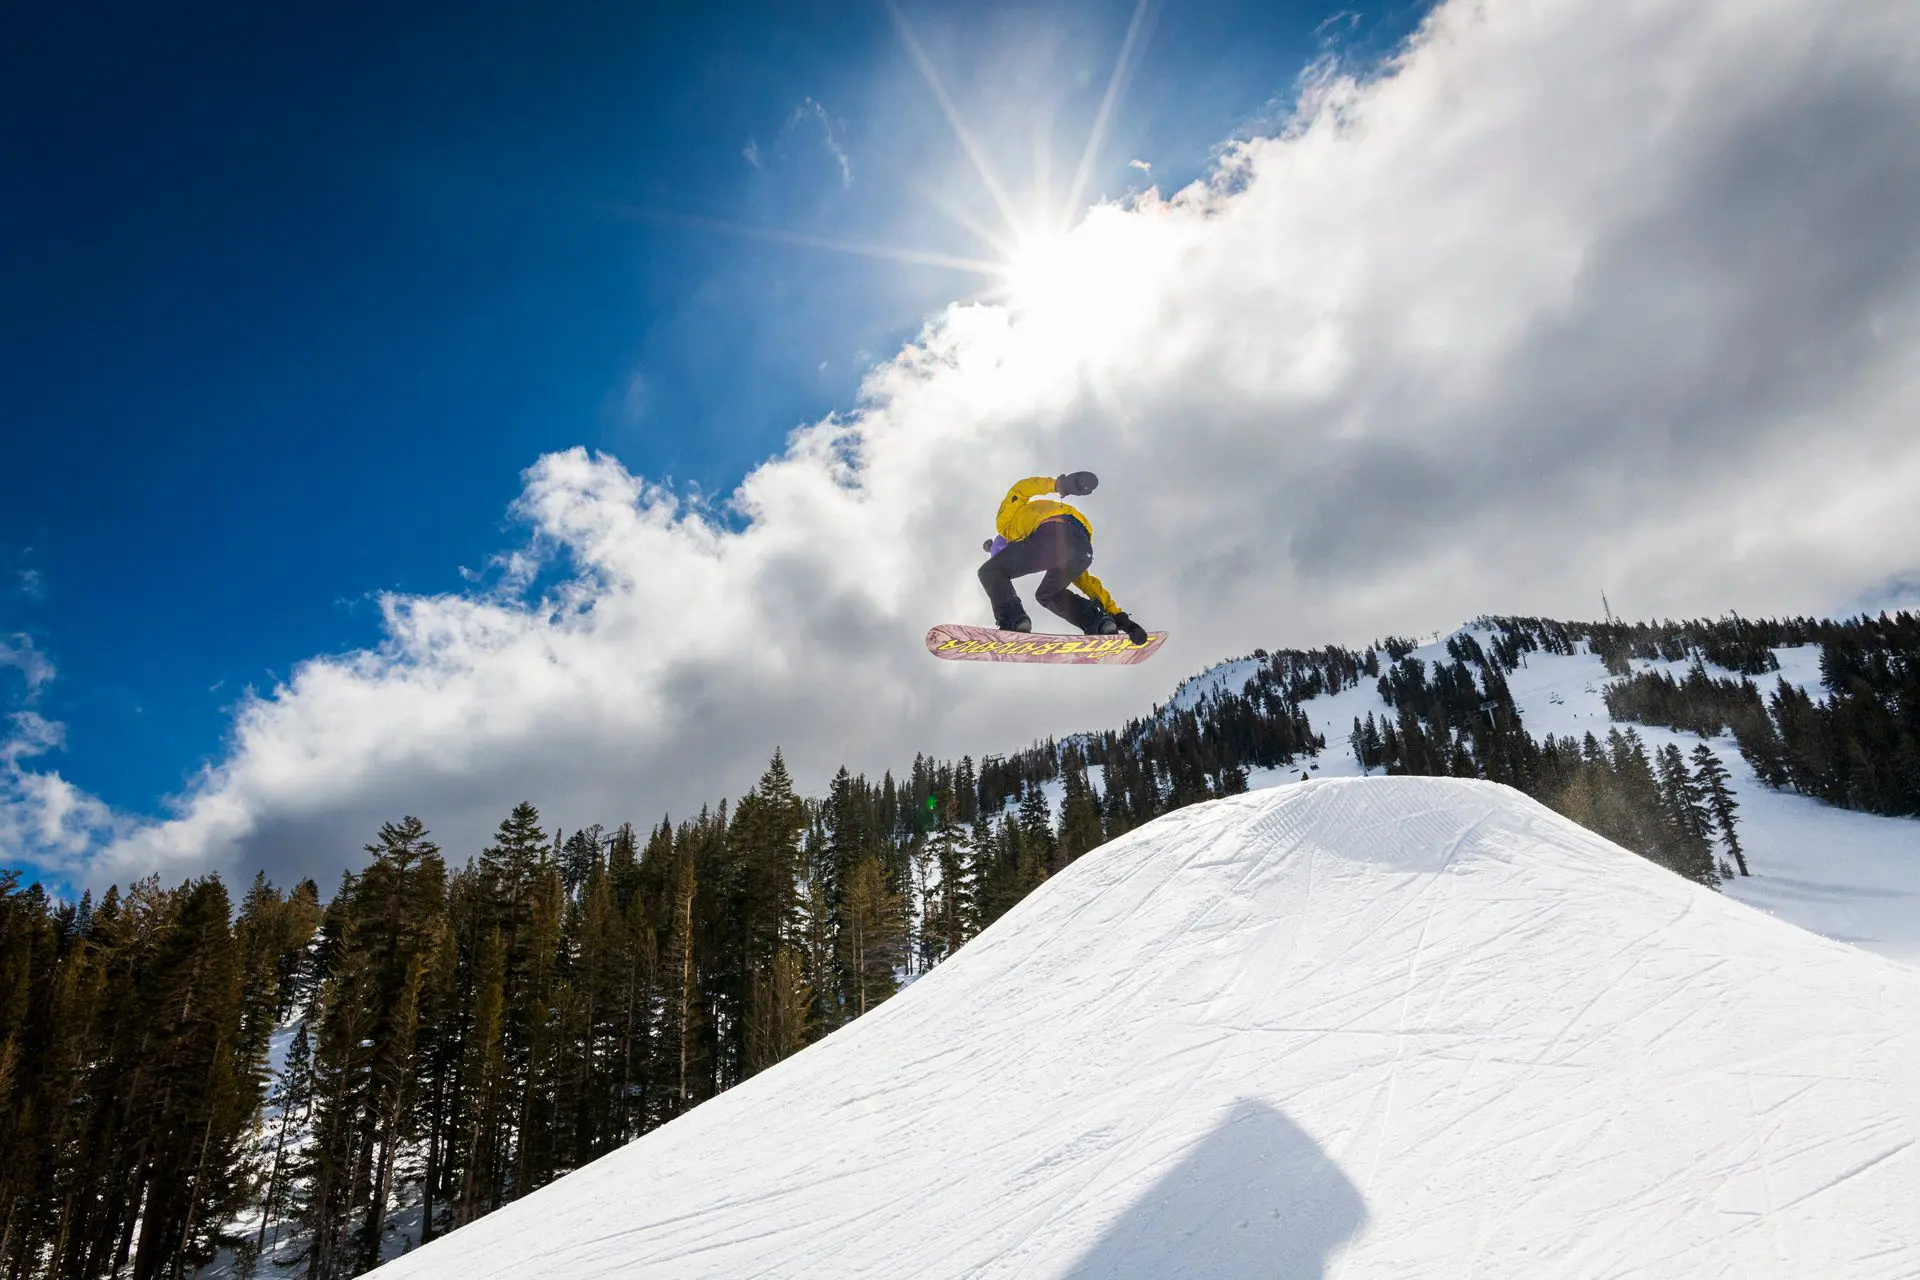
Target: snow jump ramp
[[1398, 1027]]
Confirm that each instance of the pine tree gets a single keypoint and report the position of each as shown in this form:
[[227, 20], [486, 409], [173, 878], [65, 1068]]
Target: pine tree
[[483, 1087], [511, 865], [993, 858], [1079, 812], [532, 1024], [955, 910], [765, 840], [591, 944], [194, 1123], [365, 1063], [873, 934], [293, 1093], [680, 1029], [1116, 815], [1687, 836], [1720, 802], [1036, 834], [817, 926], [446, 1019], [579, 854], [777, 1014]]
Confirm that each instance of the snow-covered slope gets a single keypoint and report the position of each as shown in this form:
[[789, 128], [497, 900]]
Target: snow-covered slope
[[1366, 1028], [1851, 876]]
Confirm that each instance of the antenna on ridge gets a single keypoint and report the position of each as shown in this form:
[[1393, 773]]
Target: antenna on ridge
[[1605, 607]]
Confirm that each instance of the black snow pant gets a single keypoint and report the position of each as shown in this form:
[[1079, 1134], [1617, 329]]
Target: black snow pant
[[1062, 549]]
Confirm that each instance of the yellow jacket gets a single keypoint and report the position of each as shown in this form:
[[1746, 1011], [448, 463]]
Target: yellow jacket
[[1024, 510]]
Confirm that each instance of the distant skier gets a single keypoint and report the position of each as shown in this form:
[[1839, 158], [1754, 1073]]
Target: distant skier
[[1038, 535]]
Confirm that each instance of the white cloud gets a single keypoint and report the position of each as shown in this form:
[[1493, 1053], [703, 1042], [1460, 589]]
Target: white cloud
[[1578, 295], [830, 135], [18, 653], [751, 154], [43, 818], [1336, 25], [41, 811]]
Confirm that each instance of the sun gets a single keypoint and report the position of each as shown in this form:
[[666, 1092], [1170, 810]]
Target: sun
[[1044, 272], [1043, 261], [1086, 284]]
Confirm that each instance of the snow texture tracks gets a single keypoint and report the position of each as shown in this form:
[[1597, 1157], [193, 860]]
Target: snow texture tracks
[[1365, 1028]]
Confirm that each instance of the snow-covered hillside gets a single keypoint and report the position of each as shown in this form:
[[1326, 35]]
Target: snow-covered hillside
[[1373, 1028], [1851, 876]]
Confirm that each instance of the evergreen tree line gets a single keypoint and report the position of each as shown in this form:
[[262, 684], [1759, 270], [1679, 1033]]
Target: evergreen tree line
[[1859, 747], [459, 1035], [1658, 805], [1459, 720], [1737, 644], [133, 1043]]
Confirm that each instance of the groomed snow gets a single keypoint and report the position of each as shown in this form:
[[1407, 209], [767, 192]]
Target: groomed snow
[[1381, 1027]]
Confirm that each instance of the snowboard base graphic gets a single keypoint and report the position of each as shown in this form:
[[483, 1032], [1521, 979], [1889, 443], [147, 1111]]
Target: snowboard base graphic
[[956, 642]]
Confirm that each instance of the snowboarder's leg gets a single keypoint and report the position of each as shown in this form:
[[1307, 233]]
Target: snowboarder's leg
[[1062, 550], [1075, 608], [1015, 560], [1071, 555]]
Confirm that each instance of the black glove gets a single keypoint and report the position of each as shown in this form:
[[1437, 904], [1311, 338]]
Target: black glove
[[1135, 632], [1074, 484]]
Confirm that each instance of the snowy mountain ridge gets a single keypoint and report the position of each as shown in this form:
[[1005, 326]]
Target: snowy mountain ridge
[[1378, 1027], [1848, 875]]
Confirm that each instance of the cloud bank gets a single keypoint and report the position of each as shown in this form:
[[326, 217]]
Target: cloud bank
[[1567, 296]]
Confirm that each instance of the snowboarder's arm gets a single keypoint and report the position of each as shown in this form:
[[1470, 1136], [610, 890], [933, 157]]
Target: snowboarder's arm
[[1031, 487], [1090, 586]]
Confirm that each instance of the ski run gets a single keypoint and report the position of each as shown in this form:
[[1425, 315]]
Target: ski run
[[1363, 1027]]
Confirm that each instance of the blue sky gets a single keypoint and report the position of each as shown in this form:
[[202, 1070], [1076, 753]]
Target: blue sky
[[294, 293], [342, 350]]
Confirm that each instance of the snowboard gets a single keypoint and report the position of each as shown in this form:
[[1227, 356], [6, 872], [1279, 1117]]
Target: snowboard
[[954, 641]]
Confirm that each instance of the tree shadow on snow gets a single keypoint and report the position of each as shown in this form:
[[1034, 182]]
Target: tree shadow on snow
[[1256, 1197]]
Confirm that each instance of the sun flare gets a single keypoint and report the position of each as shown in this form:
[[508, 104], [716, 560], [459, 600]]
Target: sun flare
[[1092, 279], [1041, 274], [1044, 258]]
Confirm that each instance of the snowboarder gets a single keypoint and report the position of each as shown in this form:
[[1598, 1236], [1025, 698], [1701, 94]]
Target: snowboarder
[[1035, 534]]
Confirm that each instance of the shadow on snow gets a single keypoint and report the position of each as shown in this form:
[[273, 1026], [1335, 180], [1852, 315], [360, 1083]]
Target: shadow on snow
[[1256, 1197]]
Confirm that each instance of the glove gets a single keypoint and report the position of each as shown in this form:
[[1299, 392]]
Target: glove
[[1135, 632], [1074, 484]]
